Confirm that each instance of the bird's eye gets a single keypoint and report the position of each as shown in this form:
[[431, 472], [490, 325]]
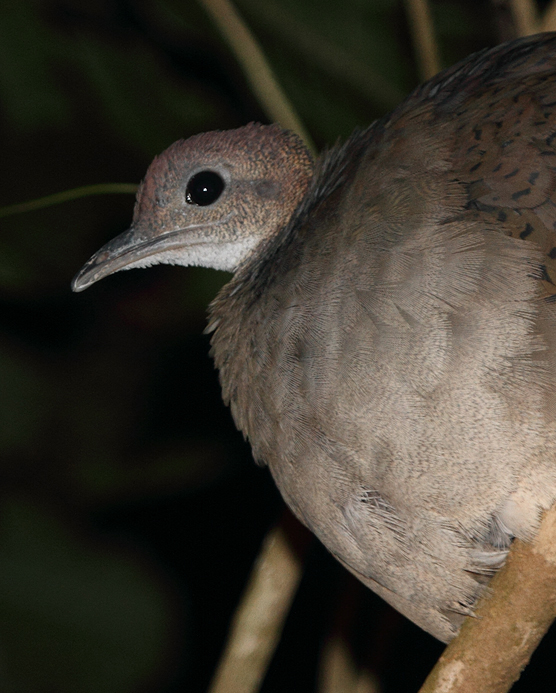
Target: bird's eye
[[204, 188]]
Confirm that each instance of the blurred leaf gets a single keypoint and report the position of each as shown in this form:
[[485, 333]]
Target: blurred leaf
[[68, 196], [163, 472], [202, 286], [132, 87], [128, 80], [16, 270], [25, 393], [341, 63], [29, 94], [74, 616]]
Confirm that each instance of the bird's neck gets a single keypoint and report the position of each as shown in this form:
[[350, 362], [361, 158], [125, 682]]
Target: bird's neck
[[240, 317]]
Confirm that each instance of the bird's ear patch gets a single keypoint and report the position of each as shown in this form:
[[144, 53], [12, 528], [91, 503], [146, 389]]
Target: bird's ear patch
[[267, 188]]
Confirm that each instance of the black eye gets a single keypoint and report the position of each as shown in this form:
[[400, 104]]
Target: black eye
[[204, 188]]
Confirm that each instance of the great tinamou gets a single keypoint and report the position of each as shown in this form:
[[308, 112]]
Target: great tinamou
[[388, 341]]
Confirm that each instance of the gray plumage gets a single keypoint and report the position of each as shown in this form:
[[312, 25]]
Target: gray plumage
[[388, 341]]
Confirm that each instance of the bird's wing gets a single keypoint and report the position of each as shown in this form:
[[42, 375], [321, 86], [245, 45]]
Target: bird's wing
[[417, 338], [499, 110]]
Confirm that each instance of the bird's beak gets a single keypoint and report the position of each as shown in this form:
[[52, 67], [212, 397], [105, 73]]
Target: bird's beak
[[142, 246], [115, 255], [129, 249]]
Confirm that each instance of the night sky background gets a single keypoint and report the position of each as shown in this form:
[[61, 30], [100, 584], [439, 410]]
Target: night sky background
[[130, 508]]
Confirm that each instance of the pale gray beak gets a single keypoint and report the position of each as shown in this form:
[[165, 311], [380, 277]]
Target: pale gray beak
[[122, 252]]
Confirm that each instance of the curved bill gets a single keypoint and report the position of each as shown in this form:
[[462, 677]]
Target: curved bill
[[124, 252], [113, 256]]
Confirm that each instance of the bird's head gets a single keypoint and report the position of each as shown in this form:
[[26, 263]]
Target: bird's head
[[209, 200]]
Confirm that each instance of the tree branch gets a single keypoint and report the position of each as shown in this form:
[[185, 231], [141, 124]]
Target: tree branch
[[493, 648], [256, 67], [260, 617], [424, 39], [548, 22], [525, 18]]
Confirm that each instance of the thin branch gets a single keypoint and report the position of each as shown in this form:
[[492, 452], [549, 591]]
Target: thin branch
[[340, 670], [339, 673], [525, 17], [548, 22], [492, 649], [255, 66], [67, 195], [424, 39], [260, 617]]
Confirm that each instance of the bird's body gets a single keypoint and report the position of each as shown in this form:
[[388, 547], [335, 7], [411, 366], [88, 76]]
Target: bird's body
[[388, 341]]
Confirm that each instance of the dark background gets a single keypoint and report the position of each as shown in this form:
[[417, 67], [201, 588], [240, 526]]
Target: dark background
[[130, 508]]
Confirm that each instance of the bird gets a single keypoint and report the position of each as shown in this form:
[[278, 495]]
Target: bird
[[387, 342]]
